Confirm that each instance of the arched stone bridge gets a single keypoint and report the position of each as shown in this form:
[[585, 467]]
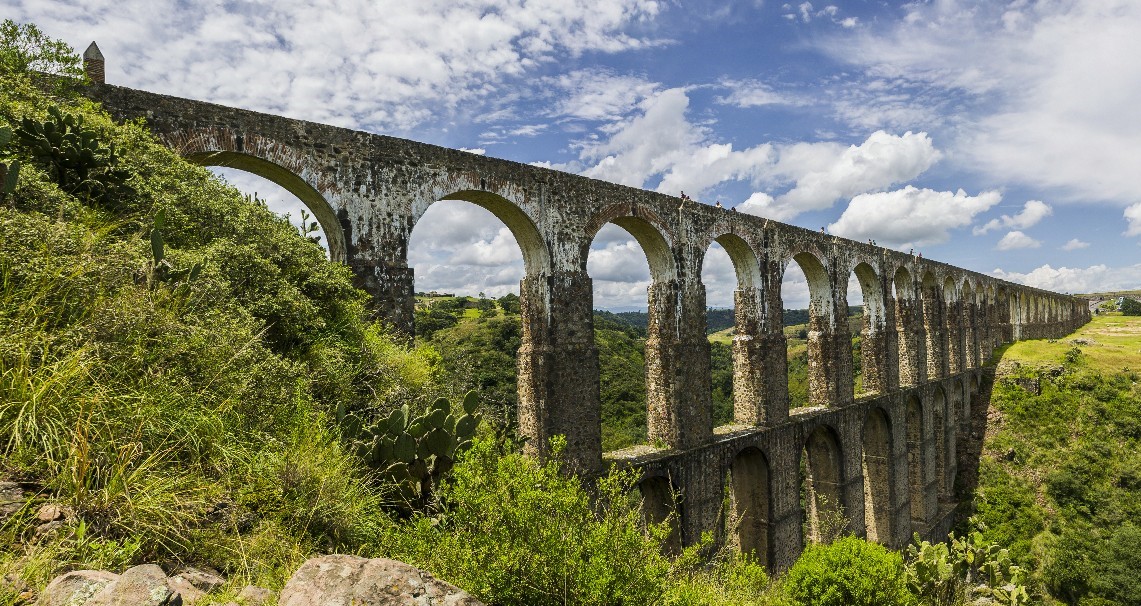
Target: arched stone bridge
[[889, 457]]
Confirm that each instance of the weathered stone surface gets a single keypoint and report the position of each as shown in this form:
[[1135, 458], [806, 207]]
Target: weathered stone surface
[[203, 579], [186, 590], [75, 588], [51, 512], [144, 585], [252, 595], [345, 580]]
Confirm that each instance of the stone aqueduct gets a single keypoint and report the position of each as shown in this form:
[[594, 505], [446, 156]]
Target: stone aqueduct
[[889, 457]]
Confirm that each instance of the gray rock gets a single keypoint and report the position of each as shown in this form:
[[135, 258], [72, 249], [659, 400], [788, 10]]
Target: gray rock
[[51, 512], [75, 588], [204, 579], [11, 499], [344, 580], [46, 531], [144, 585], [189, 593], [252, 595]]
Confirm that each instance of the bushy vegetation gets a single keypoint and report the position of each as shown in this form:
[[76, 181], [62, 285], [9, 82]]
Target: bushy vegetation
[[848, 572], [1060, 477]]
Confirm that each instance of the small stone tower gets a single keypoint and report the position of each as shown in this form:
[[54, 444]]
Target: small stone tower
[[93, 64]]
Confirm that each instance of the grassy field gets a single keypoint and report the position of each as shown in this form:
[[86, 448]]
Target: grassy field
[[1110, 342]]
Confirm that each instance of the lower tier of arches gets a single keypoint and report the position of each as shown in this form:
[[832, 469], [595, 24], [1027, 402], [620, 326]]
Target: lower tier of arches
[[884, 468]]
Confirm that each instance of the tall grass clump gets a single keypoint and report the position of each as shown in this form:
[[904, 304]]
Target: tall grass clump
[[181, 415]]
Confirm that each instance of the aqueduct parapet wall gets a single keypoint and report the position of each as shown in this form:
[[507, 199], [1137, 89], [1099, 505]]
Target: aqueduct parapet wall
[[887, 457]]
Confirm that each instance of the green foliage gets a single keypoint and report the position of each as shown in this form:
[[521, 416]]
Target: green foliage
[[76, 156], [25, 49], [848, 572], [1070, 495], [414, 453], [179, 423], [160, 270], [9, 172], [721, 373], [965, 568], [1131, 307], [518, 532]]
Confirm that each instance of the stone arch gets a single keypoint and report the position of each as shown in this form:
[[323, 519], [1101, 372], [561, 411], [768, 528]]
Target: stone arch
[[646, 228], [877, 472], [749, 374], [660, 504], [536, 257], [822, 484], [751, 504], [871, 333], [820, 308], [916, 462], [745, 263], [903, 293], [953, 325], [970, 324], [821, 323], [678, 412], [287, 170]]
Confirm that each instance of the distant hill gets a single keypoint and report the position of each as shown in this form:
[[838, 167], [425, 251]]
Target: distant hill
[[716, 320]]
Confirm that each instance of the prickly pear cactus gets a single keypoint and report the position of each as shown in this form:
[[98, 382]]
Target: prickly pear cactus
[[414, 452], [10, 171], [74, 154]]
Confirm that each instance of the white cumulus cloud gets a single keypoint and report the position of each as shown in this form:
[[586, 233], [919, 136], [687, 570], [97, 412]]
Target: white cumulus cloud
[[1133, 218], [1039, 93], [1032, 212], [661, 143], [911, 216], [375, 64], [1075, 244], [1096, 278], [1015, 239]]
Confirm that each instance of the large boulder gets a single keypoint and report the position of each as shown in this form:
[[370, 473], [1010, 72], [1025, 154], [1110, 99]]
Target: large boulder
[[345, 580], [139, 586], [76, 587]]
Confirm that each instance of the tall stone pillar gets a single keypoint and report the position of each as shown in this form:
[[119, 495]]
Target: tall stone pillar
[[890, 369], [909, 334], [971, 326], [391, 287], [760, 365], [935, 334], [878, 353], [678, 397], [558, 368], [954, 317], [840, 373]]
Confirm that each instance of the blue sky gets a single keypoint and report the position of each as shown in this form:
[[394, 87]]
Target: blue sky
[[1004, 137]]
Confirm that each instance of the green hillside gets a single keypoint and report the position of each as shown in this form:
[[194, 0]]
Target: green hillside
[[1060, 475]]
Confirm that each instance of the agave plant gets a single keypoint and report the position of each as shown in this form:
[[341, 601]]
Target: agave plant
[[414, 452]]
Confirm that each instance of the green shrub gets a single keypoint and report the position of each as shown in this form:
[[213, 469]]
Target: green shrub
[[514, 531], [848, 572]]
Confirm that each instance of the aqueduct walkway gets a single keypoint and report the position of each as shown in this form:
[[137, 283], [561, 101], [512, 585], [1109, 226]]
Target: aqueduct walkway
[[888, 458]]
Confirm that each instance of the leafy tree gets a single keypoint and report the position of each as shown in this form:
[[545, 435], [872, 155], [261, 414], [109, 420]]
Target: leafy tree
[[25, 49], [1131, 307]]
